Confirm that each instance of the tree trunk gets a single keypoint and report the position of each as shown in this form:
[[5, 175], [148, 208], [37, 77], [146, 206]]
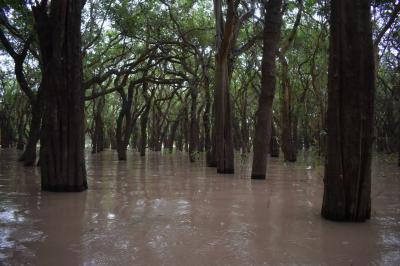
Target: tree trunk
[[271, 37], [223, 119], [62, 158], [172, 134], [223, 107], [111, 136], [179, 141], [208, 145], [237, 133], [20, 130], [289, 148], [143, 130], [194, 131], [244, 128], [274, 145], [121, 149], [351, 89], [6, 132], [29, 155], [98, 134]]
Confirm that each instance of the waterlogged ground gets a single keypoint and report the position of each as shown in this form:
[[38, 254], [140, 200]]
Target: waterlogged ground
[[162, 210]]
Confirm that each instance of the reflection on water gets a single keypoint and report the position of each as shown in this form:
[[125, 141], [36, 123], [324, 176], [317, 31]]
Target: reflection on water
[[162, 210]]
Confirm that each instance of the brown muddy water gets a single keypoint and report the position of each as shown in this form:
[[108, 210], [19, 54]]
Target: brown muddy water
[[162, 210]]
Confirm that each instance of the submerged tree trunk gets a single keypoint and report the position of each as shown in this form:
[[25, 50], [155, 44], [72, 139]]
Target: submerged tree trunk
[[62, 158], [351, 88], [223, 107], [271, 37], [124, 130]]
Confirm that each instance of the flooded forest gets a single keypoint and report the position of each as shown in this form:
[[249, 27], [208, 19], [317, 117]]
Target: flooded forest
[[199, 132]]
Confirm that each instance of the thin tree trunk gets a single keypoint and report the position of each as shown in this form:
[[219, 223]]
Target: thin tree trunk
[[209, 134], [143, 130], [289, 148], [274, 145], [98, 133], [271, 37], [172, 134], [194, 131], [351, 89]]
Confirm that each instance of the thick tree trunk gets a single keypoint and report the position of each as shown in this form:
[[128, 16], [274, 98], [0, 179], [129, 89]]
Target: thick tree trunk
[[223, 118], [351, 89], [62, 158], [271, 37], [222, 99]]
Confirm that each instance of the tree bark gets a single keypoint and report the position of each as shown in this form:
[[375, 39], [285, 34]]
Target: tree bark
[[271, 37], [223, 106], [351, 91], [62, 158]]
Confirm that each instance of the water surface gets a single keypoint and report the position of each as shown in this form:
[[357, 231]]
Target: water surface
[[162, 210]]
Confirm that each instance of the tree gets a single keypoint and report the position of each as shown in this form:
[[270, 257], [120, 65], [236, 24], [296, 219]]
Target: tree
[[25, 39], [289, 118], [271, 38], [351, 88], [62, 160]]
